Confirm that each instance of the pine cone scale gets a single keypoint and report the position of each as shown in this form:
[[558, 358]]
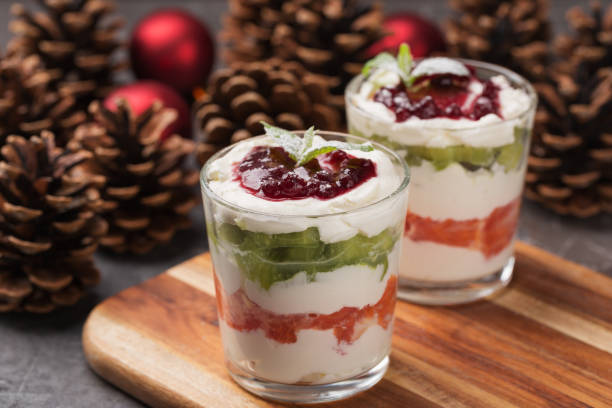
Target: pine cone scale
[[123, 193], [20, 213], [71, 227], [13, 288], [84, 252], [157, 200], [28, 247], [183, 207], [582, 180], [67, 296], [131, 222], [51, 281]]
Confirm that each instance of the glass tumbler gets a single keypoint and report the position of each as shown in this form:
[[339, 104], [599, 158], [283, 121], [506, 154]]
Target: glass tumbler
[[306, 302], [462, 219]]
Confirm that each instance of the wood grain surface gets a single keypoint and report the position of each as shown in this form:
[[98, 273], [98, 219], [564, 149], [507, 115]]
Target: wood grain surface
[[545, 341]]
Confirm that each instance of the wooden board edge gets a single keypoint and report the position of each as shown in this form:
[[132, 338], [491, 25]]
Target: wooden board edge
[[109, 367], [541, 256], [573, 272]]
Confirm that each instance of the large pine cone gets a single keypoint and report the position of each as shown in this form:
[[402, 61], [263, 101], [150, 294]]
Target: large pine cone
[[75, 37], [570, 167], [327, 37], [29, 104], [275, 91], [512, 33], [48, 224], [148, 194]]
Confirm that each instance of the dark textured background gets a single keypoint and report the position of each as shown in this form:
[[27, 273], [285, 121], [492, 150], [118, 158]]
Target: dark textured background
[[41, 360]]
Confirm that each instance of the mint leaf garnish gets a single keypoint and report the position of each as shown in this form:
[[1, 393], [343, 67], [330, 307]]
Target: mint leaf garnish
[[402, 65], [314, 152], [382, 60], [404, 59], [301, 149], [292, 144], [308, 139]]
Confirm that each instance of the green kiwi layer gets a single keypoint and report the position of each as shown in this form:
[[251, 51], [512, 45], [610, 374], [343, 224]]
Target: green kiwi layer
[[472, 158], [270, 258]]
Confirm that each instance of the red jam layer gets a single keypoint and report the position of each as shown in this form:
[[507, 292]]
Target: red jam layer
[[348, 323], [488, 235], [440, 96], [268, 172]]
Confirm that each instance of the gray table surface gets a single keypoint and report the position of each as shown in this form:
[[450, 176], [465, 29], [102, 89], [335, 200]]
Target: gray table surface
[[41, 360]]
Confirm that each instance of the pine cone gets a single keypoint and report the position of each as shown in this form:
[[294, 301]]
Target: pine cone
[[570, 167], [327, 37], [148, 194], [75, 37], [512, 33], [29, 104], [48, 224], [275, 91]]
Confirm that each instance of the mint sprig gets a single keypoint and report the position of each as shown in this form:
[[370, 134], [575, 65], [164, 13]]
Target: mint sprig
[[402, 64], [302, 149], [405, 61]]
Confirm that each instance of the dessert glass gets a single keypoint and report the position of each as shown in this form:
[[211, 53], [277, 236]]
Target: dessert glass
[[461, 221], [306, 303]]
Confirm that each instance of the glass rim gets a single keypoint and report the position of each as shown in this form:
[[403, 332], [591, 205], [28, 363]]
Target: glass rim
[[514, 78], [205, 187]]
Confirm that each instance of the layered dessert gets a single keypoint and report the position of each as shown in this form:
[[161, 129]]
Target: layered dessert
[[305, 236], [464, 130]]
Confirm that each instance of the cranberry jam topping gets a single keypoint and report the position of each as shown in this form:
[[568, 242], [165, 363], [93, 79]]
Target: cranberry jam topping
[[440, 96], [268, 172]]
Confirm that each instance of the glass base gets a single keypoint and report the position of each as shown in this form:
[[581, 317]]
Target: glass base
[[312, 394], [454, 293]]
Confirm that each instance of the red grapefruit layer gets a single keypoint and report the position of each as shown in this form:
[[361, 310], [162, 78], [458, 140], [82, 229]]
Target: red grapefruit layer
[[488, 235], [348, 323]]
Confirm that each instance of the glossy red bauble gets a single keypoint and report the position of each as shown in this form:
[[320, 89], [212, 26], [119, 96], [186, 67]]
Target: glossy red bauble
[[423, 36], [173, 47], [140, 95]]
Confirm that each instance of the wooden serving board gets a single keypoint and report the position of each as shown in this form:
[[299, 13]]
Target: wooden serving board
[[544, 341]]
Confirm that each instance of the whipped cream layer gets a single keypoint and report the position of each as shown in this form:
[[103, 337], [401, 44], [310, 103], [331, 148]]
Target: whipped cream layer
[[316, 357], [326, 294], [373, 118], [459, 194], [432, 262], [286, 216]]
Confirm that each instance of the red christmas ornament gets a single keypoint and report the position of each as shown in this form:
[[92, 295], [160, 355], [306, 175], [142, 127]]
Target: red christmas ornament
[[423, 36], [173, 47], [140, 95]]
